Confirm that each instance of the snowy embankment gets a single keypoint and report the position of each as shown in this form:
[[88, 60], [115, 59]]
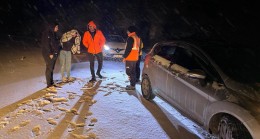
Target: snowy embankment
[[22, 71]]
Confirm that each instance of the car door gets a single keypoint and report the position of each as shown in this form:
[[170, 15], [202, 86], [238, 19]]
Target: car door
[[172, 63], [184, 92], [162, 55]]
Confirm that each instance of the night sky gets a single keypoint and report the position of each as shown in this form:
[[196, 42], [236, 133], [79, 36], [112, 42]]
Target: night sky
[[229, 21]]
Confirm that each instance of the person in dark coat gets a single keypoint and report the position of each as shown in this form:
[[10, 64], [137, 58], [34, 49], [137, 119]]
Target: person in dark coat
[[50, 50]]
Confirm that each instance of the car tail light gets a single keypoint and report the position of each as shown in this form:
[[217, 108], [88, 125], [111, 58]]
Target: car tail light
[[147, 60]]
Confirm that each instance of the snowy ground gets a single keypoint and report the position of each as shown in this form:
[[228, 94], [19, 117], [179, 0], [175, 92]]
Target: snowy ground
[[105, 112]]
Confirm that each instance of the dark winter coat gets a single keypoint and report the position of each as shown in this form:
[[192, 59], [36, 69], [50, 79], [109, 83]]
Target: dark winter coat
[[129, 46], [50, 42], [68, 44], [133, 45]]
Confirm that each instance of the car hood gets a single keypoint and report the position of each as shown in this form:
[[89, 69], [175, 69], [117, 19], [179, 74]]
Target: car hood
[[250, 91], [116, 45]]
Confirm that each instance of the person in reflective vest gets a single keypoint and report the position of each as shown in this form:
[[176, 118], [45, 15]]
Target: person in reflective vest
[[131, 56]]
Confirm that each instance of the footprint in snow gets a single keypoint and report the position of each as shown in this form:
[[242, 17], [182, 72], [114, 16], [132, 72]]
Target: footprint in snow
[[74, 125], [74, 111], [14, 128], [52, 121], [92, 122], [36, 131], [24, 123], [108, 93]]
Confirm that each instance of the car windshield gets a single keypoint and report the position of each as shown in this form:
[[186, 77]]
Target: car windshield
[[115, 38], [239, 63]]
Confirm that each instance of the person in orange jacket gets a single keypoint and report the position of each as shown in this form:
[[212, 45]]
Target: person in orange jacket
[[94, 41]]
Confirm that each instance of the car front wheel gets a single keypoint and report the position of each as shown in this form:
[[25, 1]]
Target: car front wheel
[[231, 128], [146, 88]]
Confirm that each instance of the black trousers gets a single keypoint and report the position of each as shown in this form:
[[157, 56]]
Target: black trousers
[[99, 57], [50, 64], [138, 70], [130, 67]]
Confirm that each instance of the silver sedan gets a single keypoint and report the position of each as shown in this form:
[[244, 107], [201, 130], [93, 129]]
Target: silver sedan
[[217, 86]]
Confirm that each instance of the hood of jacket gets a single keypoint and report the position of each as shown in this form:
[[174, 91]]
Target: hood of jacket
[[91, 23]]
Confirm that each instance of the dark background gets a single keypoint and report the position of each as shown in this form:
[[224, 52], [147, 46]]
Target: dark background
[[228, 21]]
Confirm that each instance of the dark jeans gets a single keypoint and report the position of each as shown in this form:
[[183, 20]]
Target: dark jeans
[[130, 71], [50, 64], [138, 69], [99, 57]]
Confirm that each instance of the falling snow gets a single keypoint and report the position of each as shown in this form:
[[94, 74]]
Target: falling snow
[[106, 110]]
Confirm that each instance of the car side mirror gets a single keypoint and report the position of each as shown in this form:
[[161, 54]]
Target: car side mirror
[[196, 73]]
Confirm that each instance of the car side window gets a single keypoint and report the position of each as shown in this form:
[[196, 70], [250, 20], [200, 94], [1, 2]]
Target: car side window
[[165, 51], [190, 61], [184, 58], [212, 74]]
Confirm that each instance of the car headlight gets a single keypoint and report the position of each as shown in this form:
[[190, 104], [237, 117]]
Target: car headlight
[[106, 47]]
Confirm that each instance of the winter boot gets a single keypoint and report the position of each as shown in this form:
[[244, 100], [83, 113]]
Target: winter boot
[[130, 87]]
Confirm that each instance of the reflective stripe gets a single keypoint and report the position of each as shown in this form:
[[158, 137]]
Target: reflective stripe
[[136, 43]]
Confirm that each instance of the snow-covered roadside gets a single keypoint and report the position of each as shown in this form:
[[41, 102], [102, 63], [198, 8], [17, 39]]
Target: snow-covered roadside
[[16, 91], [22, 70], [116, 113], [107, 112]]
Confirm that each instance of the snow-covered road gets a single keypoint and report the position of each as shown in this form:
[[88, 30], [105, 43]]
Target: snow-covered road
[[105, 112]]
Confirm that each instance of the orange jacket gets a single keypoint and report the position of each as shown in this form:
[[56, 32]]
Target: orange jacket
[[95, 45], [134, 54]]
